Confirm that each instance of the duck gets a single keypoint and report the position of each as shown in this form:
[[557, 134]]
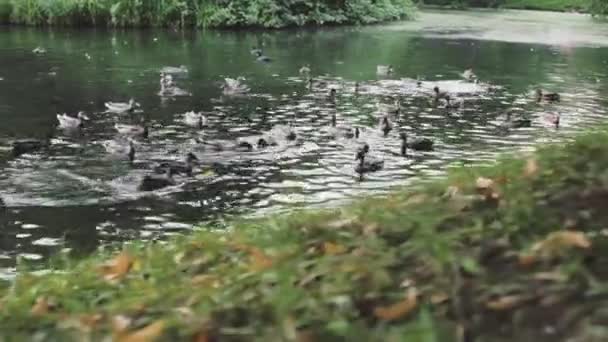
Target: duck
[[384, 70], [70, 122], [547, 96], [305, 71], [438, 94], [182, 69], [178, 167], [469, 75], [120, 148], [394, 108], [132, 130], [418, 144], [554, 119], [385, 125], [255, 51], [367, 165], [169, 89], [517, 123], [235, 85], [39, 50], [260, 57], [155, 182], [24, 146], [121, 107], [195, 119], [342, 131]]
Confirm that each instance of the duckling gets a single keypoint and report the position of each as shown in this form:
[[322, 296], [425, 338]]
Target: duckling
[[469, 75], [119, 148], [550, 97], [418, 144], [262, 58], [384, 70], [386, 126], [156, 182], [121, 107], [69, 122], [177, 167], [182, 69], [305, 71], [367, 165], [132, 130], [195, 119]]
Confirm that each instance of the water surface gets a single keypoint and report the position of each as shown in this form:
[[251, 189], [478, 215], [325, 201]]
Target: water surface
[[75, 196]]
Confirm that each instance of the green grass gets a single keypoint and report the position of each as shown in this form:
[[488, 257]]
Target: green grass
[[447, 260], [548, 5], [201, 13]]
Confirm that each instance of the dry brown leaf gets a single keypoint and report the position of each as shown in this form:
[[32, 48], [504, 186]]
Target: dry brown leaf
[[416, 199], [400, 309], [148, 333], [531, 167], [206, 280], [259, 260], [331, 248], [506, 302], [118, 267], [438, 298], [554, 245], [41, 307]]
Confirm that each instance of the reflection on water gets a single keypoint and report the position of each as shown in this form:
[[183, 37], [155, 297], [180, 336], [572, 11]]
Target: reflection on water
[[75, 195]]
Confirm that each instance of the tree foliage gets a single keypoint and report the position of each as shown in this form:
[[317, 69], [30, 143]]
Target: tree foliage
[[202, 13]]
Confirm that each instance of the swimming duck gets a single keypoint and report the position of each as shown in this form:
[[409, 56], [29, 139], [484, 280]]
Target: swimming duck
[[121, 107], [182, 69], [119, 148], [367, 164], [195, 119], [235, 86], [305, 71], [260, 57], [385, 125], [255, 51], [418, 144], [155, 182], [177, 167], [169, 89], [342, 131], [469, 75], [39, 50], [132, 130], [554, 119], [547, 96], [439, 94], [70, 122], [384, 70]]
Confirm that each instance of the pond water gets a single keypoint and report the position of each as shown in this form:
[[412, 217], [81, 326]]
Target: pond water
[[74, 195]]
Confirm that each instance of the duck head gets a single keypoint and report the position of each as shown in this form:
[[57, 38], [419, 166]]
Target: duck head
[[262, 143], [539, 94], [291, 135], [131, 153], [357, 132], [436, 90], [145, 133], [191, 157], [403, 137], [82, 116]]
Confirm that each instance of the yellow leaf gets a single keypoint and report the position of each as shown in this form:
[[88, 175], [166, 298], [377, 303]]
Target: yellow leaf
[[556, 243], [531, 167], [506, 302], [331, 248], [148, 333], [400, 309], [41, 307], [439, 297], [118, 267]]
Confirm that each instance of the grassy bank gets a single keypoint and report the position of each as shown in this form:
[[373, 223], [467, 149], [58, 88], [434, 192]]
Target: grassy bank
[[201, 13], [513, 252], [549, 5]]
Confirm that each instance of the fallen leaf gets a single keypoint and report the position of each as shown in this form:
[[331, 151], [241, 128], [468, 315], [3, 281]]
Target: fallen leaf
[[551, 276], [531, 167], [41, 307], [506, 302], [259, 260], [556, 243], [146, 334], [118, 267], [331, 248], [438, 298], [205, 280], [416, 199], [400, 309]]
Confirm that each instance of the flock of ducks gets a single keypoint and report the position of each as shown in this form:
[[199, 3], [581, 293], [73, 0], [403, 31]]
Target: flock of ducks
[[162, 175]]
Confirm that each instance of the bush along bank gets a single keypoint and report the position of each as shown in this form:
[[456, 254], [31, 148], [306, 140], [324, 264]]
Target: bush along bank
[[516, 251], [543, 5], [202, 13]]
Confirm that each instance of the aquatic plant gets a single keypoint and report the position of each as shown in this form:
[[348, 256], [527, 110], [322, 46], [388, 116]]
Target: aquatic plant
[[201, 13]]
